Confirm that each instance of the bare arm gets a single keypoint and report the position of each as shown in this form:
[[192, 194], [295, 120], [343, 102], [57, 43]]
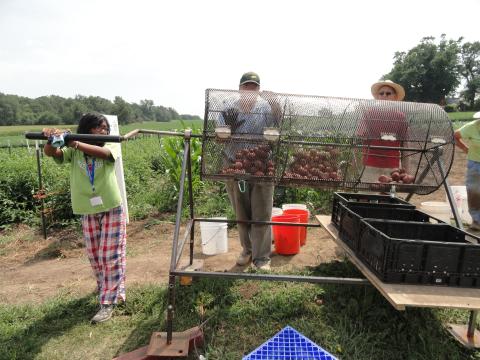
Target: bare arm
[[277, 111], [49, 150], [92, 150], [459, 141]]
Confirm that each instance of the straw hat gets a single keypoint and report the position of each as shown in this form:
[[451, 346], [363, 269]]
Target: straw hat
[[398, 88]]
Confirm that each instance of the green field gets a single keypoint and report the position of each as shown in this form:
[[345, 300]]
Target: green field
[[14, 134], [461, 116]]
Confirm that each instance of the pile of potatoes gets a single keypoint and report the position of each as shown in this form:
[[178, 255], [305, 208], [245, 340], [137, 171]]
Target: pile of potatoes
[[397, 176], [253, 161], [315, 164]]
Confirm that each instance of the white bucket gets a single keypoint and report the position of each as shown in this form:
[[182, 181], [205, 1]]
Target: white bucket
[[276, 211], [214, 236], [438, 209], [460, 195], [294, 206]]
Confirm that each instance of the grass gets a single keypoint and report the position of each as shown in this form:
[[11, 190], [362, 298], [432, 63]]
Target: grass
[[15, 134], [351, 322], [461, 116]]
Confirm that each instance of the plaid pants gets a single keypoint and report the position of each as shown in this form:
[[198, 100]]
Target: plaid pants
[[105, 241]]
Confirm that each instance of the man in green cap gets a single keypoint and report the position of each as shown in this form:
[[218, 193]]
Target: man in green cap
[[251, 201]]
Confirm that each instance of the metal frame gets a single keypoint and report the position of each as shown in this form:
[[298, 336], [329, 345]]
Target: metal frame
[[167, 345], [465, 334]]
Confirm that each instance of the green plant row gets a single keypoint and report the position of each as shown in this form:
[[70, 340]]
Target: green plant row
[[152, 168]]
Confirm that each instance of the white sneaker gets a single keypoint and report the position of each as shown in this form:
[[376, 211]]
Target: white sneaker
[[265, 266], [104, 314], [243, 260]]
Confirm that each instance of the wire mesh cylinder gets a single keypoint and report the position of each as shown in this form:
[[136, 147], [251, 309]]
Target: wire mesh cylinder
[[326, 142]]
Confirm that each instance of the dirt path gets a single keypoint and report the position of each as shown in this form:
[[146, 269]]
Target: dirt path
[[34, 269]]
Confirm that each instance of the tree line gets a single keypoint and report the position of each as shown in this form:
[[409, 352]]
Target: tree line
[[432, 71], [52, 110]]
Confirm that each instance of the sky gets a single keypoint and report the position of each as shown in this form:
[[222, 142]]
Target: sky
[[172, 51]]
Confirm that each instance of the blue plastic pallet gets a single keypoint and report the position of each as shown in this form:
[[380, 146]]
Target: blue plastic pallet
[[289, 344]]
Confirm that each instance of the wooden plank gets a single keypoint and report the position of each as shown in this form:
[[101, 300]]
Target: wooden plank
[[401, 296]]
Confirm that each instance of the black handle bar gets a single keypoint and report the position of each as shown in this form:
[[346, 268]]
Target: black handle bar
[[78, 137]]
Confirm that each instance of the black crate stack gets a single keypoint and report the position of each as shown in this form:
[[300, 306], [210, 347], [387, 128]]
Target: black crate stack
[[403, 245]]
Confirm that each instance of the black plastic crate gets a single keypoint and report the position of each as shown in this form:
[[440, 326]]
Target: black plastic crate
[[374, 200], [420, 253], [349, 224]]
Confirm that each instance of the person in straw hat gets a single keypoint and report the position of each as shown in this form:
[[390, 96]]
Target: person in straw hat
[[467, 138], [388, 90], [383, 125]]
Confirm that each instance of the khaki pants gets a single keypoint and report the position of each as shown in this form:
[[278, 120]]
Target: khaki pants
[[254, 204]]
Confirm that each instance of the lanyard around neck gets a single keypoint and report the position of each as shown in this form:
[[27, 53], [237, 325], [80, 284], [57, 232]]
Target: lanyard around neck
[[91, 172]]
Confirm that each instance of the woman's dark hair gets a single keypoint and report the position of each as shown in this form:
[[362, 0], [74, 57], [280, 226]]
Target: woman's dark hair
[[91, 121]]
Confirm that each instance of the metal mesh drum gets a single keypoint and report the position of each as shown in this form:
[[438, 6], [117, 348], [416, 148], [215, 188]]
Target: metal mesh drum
[[326, 142]]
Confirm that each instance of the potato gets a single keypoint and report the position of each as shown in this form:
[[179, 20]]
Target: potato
[[238, 165], [384, 179], [395, 176], [408, 179], [334, 152], [259, 164], [261, 154], [324, 175]]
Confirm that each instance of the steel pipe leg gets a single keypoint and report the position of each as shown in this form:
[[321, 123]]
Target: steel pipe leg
[[465, 334]]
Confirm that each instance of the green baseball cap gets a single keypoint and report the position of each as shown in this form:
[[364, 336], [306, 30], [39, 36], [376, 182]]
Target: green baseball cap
[[250, 77]]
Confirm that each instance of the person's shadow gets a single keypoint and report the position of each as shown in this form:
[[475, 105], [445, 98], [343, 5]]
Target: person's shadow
[[27, 342]]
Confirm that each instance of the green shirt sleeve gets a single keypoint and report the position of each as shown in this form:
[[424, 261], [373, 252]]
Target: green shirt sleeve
[[67, 155], [115, 150], [470, 133]]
